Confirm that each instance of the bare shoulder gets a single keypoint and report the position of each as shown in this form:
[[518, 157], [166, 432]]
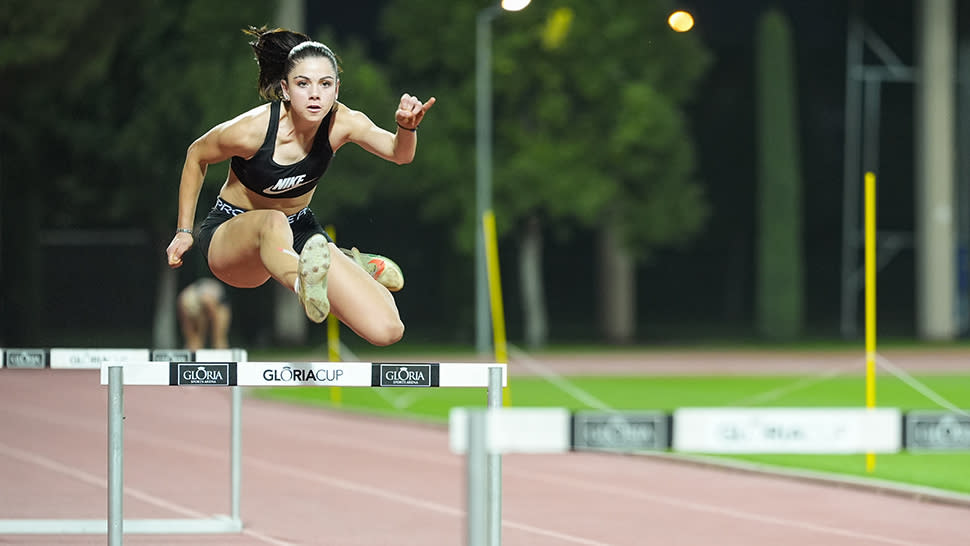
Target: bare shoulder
[[345, 111], [352, 119], [350, 125], [243, 134]]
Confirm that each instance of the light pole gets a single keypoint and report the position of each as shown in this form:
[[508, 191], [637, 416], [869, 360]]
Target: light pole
[[483, 160]]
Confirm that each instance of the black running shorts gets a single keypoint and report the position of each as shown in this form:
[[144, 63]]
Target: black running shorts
[[303, 224]]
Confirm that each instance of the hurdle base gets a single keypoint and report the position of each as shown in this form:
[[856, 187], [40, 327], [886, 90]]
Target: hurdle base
[[215, 525]]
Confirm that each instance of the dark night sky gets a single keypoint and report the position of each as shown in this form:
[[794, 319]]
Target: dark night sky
[[722, 121], [723, 125]]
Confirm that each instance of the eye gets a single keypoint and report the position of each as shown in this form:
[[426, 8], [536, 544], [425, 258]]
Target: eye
[[302, 83]]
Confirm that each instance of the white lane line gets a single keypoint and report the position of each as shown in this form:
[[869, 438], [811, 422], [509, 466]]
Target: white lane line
[[538, 368], [792, 387]]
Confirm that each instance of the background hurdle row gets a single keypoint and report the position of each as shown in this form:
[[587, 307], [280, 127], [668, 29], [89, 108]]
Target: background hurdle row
[[91, 358]]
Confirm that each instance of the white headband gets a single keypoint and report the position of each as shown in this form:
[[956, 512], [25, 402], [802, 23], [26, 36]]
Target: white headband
[[302, 45]]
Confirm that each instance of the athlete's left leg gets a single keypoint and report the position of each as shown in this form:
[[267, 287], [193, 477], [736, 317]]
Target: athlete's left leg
[[383, 269], [362, 303]]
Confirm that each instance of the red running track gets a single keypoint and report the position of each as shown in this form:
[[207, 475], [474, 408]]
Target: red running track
[[316, 477]]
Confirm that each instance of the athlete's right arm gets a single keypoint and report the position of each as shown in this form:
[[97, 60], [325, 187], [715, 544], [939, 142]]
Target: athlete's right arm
[[234, 137]]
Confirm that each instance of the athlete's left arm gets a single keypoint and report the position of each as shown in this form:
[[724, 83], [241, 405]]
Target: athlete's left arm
[[399, 146]]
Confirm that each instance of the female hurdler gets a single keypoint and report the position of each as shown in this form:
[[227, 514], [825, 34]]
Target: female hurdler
[[261, 226]]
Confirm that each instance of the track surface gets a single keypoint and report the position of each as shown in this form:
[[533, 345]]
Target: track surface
[[313, 477]]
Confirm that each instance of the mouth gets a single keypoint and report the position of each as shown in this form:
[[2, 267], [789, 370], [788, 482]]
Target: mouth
[[315, 108]]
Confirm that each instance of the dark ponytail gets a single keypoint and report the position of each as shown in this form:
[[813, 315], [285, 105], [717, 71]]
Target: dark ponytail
[[273, 48]]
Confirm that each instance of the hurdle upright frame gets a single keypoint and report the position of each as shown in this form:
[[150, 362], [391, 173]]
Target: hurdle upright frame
[[97, 358], [493, 376]]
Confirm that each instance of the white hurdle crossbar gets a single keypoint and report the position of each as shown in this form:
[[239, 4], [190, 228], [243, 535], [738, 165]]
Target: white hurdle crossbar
[[98, 358], [275, 374]]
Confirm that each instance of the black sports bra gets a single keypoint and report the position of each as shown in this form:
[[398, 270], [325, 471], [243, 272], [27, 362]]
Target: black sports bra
[[266, 177]]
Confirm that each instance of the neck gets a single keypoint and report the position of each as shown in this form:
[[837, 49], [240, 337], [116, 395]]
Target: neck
[[300, 128]]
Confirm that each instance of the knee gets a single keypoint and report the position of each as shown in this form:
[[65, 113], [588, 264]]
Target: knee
[[274, 221], [386, 333]]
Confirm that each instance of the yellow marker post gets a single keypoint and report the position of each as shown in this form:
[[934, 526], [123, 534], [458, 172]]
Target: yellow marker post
[[333, 336], [495, 291], [870, 237]]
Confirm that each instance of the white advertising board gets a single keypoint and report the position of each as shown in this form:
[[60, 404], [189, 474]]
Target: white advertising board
[[787, 430]]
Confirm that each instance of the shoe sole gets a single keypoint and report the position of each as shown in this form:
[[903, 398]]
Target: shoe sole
[[313, 268]]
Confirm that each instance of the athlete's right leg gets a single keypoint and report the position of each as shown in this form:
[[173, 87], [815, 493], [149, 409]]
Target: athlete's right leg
[[248, 249]]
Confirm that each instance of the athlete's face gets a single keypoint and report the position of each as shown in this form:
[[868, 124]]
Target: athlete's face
[[312, 87]]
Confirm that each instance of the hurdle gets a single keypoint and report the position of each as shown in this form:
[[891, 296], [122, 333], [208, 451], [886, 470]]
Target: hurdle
[[481, 434], [273, 374], [94, 359]]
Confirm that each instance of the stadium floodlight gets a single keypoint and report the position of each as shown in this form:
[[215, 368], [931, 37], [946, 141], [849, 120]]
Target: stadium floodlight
[[514, 5]]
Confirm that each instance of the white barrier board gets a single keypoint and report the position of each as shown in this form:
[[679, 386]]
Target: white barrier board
[[91, 359], [515, 430], [787, 430], [220, 355]]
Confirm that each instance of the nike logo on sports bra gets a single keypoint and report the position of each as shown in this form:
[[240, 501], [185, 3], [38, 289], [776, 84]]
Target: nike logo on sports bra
[[287, 183]]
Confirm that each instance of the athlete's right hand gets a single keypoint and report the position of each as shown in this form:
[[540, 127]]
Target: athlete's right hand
[[180, 243]]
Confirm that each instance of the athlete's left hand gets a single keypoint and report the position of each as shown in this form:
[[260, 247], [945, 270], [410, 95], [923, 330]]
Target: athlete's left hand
[[411, 111]]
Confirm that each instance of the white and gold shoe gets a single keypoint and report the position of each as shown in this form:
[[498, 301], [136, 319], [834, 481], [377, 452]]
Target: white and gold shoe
[[313, 268], [382, 268]]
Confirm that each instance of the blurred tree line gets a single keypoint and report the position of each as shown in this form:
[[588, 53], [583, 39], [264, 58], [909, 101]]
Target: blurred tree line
[[594, 167]]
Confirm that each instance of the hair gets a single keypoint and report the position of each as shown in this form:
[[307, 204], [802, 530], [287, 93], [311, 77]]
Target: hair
[[277, 52]]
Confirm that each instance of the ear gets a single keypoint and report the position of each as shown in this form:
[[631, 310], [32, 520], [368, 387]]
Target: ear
[[286, 91]]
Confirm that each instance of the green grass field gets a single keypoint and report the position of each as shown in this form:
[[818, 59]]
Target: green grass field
[[943, 470]]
